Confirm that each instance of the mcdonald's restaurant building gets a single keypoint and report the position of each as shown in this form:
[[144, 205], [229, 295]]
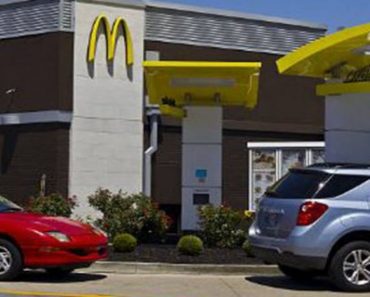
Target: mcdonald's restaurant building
[[74, 107]]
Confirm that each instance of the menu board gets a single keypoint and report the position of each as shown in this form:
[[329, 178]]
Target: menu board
[[264, 172], [292, 159]]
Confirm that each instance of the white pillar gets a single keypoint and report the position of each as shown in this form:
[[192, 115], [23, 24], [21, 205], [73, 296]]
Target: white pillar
[[201, 162], [348, 128]]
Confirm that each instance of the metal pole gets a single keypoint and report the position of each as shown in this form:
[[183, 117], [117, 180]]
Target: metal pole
[[150, 152]]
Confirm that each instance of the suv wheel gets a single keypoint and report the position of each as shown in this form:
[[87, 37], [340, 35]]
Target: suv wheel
[[297, 274], [10, 261], [350, 267]]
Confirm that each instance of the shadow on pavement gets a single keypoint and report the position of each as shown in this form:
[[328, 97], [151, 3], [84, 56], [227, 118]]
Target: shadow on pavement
[[42, 277], [281, 282]]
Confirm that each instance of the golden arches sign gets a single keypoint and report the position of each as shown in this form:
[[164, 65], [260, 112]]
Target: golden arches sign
[[111, 38]]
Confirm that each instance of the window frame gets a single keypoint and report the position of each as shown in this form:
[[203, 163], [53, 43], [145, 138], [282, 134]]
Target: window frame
[[278, 147]]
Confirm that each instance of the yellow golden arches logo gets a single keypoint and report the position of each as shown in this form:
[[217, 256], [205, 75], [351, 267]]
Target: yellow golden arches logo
[[111, 38]]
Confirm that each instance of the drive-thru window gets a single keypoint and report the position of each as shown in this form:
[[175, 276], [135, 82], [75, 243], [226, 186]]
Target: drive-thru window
[[343, 59]]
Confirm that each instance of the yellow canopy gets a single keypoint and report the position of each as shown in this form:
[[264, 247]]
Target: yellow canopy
[[333, 56], [173, 85]]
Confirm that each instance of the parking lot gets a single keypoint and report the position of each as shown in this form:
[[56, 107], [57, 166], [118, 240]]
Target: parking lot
[[90, 284]]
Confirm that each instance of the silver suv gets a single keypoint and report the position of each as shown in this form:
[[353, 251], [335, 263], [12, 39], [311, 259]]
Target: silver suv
[[317, 221]]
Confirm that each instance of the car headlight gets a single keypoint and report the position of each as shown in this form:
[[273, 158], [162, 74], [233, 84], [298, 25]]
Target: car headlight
[[58, 236], [98, 231]]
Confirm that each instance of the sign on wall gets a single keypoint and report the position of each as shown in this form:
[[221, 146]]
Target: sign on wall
[[111, 34]]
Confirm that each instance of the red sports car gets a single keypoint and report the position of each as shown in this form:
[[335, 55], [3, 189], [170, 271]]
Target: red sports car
[[58, 245]]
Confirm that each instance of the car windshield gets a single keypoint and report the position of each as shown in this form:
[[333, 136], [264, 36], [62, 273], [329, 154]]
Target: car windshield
[[8, 206]]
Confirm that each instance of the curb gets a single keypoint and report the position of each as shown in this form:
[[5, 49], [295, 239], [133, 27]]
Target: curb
[[165, 268]]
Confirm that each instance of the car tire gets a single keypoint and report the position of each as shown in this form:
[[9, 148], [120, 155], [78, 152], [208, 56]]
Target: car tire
[[344, 264], [59, 272], [297, 274], [11, 261]]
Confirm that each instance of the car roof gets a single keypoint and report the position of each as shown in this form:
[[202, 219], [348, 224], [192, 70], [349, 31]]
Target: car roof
[[341, 168]]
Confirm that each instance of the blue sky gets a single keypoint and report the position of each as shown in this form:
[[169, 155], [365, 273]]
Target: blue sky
[[333, 13]]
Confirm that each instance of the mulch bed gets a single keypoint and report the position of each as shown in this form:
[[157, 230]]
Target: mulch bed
[[165, 253]]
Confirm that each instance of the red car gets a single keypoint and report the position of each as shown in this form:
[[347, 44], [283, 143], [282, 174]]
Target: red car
[[56, 244]]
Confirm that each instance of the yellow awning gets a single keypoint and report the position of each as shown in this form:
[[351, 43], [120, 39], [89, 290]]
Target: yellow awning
[[176, 84], [333, 56]]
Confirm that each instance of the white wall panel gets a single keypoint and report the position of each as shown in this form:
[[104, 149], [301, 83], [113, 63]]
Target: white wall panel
[[348, 147], [107, 126], [207, 157], [189, 212], [348, 112], [201, 151], [202, 125]]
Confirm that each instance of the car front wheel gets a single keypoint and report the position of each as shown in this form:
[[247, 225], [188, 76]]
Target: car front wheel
[[350, 267], [10, 261]]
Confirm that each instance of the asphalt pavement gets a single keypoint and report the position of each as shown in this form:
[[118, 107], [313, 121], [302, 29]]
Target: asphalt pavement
[[92, 284]]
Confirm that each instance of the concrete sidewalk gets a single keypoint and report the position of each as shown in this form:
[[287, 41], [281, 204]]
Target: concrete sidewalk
[[87, 283], [166, 268]]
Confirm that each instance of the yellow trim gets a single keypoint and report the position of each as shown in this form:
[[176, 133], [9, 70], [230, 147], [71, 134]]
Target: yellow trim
[[94, 37], [202, 83], [128, 39], [173, 111], [111, 39], [196, 64], [320, 56], [51, 294], [331, 89]]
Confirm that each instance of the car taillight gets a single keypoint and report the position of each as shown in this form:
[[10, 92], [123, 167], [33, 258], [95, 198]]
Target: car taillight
[[310, 212]]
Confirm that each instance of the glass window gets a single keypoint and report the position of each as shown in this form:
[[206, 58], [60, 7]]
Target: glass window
[[298, 184], [293, 159], [340, 184], [271, 161], [6, 205], [318, 156], [264, 173], [264, 160]]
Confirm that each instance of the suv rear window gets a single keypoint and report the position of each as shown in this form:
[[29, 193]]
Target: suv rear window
[[298, 184], [340, 184], [305, 184]]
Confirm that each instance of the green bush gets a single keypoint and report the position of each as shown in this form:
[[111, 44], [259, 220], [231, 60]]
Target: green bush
[[52, 205], [190, 245], [222, 226], [247, 248], [124, 243], [135, 214]]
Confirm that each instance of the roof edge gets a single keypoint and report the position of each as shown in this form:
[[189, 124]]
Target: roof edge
[[234, 14], [130, 3], [304, 52]]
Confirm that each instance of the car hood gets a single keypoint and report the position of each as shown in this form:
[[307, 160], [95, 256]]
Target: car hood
[[46, 223]]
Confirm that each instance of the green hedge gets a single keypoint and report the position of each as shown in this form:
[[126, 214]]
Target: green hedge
[[124, 243], [190, 245], [135, 214]]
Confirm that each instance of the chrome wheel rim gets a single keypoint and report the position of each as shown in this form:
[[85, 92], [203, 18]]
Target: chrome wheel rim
[[356, 267], [5, 260]]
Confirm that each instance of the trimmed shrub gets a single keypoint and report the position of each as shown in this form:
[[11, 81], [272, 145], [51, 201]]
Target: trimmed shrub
[[222, 226], [52, 205], [134, 214], [247, 248], [124, 243], [190, 245]]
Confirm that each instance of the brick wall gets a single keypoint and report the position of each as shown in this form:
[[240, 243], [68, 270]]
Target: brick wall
[[29, 151], [167, 164]]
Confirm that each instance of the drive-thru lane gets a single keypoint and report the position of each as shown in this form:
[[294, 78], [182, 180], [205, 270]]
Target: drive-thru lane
[[91, 284]]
